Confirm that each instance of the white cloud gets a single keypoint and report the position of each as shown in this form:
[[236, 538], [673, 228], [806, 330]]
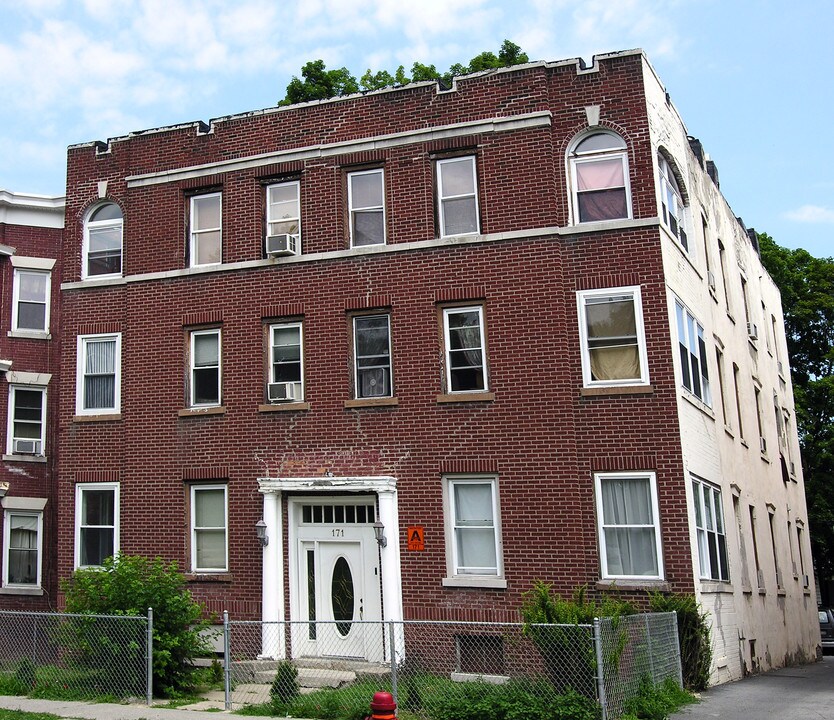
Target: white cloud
[[811, 214]]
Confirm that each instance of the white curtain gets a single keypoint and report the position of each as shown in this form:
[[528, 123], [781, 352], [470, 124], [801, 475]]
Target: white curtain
[[100, 374], [474, 529], [629, 527]]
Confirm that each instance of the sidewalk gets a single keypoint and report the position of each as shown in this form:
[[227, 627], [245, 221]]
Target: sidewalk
[[107, 711], [792, 693]]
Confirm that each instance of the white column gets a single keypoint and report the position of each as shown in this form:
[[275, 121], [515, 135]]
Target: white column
[[272, 637], [392, 599]]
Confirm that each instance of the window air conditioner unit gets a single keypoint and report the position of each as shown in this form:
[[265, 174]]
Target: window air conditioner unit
[[25, 447], [763, 445], [752, 331], [779, 579], [760, 579], [793, 567], [793, 468], [806, 581], [283, 391], [284, 244], [374, 383], [711, 280]]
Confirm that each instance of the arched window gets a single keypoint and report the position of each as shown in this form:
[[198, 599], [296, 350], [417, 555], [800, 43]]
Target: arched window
[[103, 242], [599, 176], [671, 202]]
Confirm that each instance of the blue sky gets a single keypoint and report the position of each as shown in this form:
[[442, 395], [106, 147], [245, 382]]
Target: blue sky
[[751, 79]]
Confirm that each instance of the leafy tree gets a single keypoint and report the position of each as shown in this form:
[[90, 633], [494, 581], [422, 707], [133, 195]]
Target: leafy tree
[[318, 83], [129, 585], [807, 287]]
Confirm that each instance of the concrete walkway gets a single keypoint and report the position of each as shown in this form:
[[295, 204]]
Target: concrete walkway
[[796, 693]]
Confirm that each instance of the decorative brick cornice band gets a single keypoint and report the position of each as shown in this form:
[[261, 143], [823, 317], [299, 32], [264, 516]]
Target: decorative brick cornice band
[[282, 310], [453, 143], [206, 317], [461, 466], [278, 169], [97, 476], [470, 292], [217, 472], [99, 328], [206, 181], [362, 158], [368, 301]]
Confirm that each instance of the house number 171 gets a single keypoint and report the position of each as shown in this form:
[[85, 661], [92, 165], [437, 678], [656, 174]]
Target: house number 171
[[337, 532]]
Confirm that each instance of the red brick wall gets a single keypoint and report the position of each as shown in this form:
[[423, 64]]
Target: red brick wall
[[540, 437], [27, 479]]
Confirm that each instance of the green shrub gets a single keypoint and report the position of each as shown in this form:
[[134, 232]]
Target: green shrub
[[129, 585], [285, 685], [568, 653], [656, 702], [693, 636]]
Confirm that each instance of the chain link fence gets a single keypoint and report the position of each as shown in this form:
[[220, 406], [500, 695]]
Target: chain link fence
[[75, 657], [331, 669]]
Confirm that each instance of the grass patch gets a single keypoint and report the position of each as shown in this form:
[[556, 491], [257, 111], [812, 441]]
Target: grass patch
[[657, 702], [20, 715]]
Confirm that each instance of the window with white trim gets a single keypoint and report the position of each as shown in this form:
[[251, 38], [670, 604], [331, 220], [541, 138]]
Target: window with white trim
[[709, 528], [103, 237], [206, 243], [473, 527], [612, 340], [599, 178], [204, 370], [693, 354], [457, 191], [209, 528], [372, 356], [629, 526], [22, 548], [98, 374], [30, 307], [27, 420], [366, 206], [671, 203], [286, 362], [283, 217], [464, 341], [96, 523]]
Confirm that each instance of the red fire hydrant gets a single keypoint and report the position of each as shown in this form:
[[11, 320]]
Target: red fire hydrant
[[383, 707]]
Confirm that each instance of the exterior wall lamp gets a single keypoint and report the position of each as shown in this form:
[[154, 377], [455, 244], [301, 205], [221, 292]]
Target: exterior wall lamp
[[260, 531], [379, 534]]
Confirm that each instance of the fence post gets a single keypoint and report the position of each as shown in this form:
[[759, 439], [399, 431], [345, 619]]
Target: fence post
[[149, 685], [600, 669], [677, 646], [649, 643], [393, 655], [227, 661]]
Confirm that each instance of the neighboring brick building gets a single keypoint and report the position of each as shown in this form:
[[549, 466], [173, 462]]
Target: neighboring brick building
[[452, 314], [30, 246]]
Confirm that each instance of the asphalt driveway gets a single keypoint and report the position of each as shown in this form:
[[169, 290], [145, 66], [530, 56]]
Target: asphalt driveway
[[796, 693]]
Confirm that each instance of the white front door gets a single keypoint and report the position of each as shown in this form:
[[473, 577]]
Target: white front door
[[335, 581]]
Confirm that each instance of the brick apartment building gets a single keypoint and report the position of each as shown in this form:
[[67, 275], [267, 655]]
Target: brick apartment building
[[513, 328], [30, 246]]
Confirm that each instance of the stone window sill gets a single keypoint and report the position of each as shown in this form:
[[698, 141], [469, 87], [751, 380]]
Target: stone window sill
[[489, 583], [633, 584], [199, 412], [283, 407], [613, 390], [466, 397], [202, 577], [25, 458], [29, 334], [96, 418], [33, 591], [372, 402]]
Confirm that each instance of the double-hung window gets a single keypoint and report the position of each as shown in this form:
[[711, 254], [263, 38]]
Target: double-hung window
[[206, 245], [30, 309], [209, 528], [27, 416], [96, 523], [463, 330], [613, 343], [283, 219], [366, 203], [709, 526], [205, 368], [671, 203], [599, 177], [693, 354], [372, 353], [457, 185], [98, 383], [22, 548], [103, 231], [286, 363], [473, 527], [629, 528]]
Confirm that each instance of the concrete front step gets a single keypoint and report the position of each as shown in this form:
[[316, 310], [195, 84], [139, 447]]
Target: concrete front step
[[312, 677]]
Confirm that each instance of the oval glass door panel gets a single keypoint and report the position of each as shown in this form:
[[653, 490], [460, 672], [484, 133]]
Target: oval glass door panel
[[341, 596]]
